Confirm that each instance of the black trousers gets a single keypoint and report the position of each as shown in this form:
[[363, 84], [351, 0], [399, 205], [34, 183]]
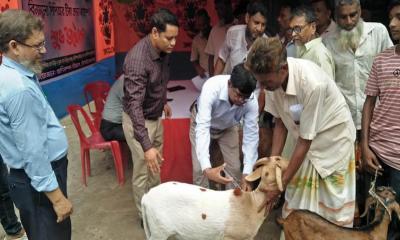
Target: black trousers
[[36, 211], [111, 131], [7, 214]]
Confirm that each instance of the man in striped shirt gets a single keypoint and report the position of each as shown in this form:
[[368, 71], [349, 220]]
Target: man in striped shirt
[[146, 70], [380, 123]]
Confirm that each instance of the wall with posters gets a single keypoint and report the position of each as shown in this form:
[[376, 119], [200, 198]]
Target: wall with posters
[[132, 22], [78, 33]]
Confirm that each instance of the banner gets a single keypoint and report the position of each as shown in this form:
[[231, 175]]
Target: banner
[[104, 26], [132, 20], [69, 34]]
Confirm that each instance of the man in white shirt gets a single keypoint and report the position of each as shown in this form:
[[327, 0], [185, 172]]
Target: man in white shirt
[[307, 103], [225, 100], [353, 45], [239, 38]]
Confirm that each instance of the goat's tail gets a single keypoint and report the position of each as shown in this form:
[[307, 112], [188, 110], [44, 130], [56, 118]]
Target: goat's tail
[[145, 220]]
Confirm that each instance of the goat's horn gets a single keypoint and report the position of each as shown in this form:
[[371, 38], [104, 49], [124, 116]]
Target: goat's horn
[[278, 175]]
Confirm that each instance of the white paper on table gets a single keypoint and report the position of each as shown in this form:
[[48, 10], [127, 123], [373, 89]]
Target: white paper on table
[[199, 81]]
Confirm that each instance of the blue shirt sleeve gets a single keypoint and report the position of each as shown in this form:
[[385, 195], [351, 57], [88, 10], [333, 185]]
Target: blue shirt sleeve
[[28, 120]]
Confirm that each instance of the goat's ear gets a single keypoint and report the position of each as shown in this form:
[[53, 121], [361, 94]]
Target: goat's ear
[[256, 174]]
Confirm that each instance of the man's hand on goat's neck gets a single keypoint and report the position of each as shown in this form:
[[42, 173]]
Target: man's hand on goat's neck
[[215, 175], [244, 185]]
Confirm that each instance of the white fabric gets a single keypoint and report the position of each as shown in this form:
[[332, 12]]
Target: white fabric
[[352, 69], [198, 51], [234, 49], [216, 39], [331, 29], [215, 112]]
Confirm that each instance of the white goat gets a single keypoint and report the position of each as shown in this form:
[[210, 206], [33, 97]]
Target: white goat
[[190, 212]]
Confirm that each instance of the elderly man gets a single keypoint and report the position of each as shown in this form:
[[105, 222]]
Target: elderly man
[[146, 70], [239, 38], [380, 125], [306, 102], [223, 102], [323, 13], [308, 45], [32, 141], [354, 43]]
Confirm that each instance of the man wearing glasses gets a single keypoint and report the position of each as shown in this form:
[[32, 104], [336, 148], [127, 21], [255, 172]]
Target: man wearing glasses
[[32, 141], [224, 100], [308, 45]]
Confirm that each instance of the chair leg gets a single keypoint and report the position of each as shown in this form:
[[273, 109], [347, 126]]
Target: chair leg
[[83, 163], [88, 172], [116, 150]]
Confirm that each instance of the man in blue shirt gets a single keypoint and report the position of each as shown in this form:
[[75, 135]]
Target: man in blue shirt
[[223, 102], [32, 141]]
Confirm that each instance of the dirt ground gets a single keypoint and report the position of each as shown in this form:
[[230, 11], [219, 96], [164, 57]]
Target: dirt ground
[[105, 211]]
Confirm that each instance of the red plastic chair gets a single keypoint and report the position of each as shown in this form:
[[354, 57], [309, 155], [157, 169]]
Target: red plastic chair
[[95, 141], [98, 91]]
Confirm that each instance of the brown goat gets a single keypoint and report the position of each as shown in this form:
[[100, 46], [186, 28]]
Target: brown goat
[[306, 225]]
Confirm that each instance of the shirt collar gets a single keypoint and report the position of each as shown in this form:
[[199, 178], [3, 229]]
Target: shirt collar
[[290, 88], [223, 95], [8, 62], [312, 43]]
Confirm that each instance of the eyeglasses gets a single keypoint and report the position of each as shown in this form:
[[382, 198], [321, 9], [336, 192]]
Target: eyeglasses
[[297, 29], [243, 97], [38, 47]]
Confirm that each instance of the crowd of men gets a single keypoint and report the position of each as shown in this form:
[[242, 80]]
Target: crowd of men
[[318, 91]]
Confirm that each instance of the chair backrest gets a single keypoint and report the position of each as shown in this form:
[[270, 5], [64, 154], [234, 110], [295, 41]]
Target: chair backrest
[[74, 111], [98, 91]]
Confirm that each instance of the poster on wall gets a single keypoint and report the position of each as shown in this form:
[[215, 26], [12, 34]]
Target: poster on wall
[[133, 20], [104, 28], [8, 4], [69, 31]]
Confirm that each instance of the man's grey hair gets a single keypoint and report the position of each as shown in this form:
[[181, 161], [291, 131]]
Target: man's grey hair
[[17, 25], [339, 3]]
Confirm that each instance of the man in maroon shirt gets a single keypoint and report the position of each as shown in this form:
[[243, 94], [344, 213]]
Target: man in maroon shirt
[[146, 70]]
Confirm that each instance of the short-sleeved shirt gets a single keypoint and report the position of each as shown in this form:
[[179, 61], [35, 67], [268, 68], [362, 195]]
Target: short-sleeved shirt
[[113, 107], [352, 69], [316, 52], [216, 39], [198, 53], [384, 130], [325, 118], [234, 50]]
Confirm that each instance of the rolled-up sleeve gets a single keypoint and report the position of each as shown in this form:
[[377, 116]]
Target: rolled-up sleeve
[[28, 121]]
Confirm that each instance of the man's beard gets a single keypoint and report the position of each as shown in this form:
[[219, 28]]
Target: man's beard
[[33, 65], [351, 39]]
